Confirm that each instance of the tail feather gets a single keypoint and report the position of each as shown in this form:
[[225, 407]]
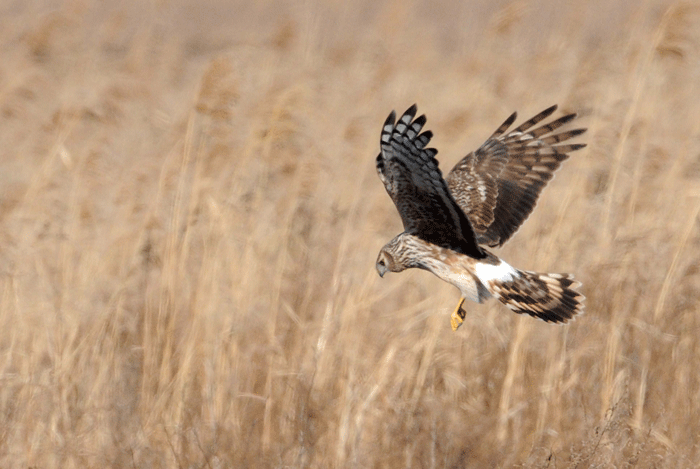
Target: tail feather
[[550, 297]]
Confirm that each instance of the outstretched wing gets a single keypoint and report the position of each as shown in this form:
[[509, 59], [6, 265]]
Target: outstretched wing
[[497, 186], [412, 178]]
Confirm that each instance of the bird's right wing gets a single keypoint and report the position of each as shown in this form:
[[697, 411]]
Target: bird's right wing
[[497, 186]]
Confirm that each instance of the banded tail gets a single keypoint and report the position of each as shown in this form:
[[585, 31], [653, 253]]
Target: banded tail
[[550, 297]]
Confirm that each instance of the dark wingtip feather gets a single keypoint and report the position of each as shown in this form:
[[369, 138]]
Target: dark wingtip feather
[[535, 120], [503, 127], [576, 132], [550, 110], [391, 119], [410, 113], [569, 148], [387, 129], [508, 122], [567, 118], [423, 139], [563, 136]]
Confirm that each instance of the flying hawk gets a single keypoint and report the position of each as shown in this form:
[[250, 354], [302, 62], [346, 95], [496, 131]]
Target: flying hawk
[[482, 202]]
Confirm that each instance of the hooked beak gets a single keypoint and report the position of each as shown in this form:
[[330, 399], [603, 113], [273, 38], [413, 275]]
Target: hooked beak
[[381, 270]]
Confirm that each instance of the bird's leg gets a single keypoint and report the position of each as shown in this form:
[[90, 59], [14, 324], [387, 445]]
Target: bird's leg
[[458, 315]]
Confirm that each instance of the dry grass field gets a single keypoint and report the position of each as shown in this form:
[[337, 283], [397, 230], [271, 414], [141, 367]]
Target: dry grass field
[[190, 216]]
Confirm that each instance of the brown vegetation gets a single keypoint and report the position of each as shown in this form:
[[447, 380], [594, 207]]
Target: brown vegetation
[[190, 215]]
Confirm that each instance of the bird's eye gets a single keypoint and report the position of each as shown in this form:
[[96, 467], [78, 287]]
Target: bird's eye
[[382, 263]]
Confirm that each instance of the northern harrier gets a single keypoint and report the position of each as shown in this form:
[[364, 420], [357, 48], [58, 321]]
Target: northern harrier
[[482, 202]]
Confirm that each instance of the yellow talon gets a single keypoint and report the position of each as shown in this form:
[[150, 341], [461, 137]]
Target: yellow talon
[[458, 315]]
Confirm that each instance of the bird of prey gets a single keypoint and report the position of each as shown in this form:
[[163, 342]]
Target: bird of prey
[[449, 222]]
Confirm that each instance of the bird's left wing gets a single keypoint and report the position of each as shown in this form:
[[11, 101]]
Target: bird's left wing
[[414, 182]]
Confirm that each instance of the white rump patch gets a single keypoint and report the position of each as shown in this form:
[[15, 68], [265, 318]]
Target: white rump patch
[[488, 272]]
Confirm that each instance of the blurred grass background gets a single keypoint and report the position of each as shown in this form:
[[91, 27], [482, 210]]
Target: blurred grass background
[[189, 217]]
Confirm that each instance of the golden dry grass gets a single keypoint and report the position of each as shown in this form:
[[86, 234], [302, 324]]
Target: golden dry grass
[[189, 219]]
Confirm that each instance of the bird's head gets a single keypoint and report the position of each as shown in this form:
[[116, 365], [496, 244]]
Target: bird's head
[[391, 257]]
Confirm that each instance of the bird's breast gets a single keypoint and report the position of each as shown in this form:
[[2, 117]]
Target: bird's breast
[[458, 270]]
